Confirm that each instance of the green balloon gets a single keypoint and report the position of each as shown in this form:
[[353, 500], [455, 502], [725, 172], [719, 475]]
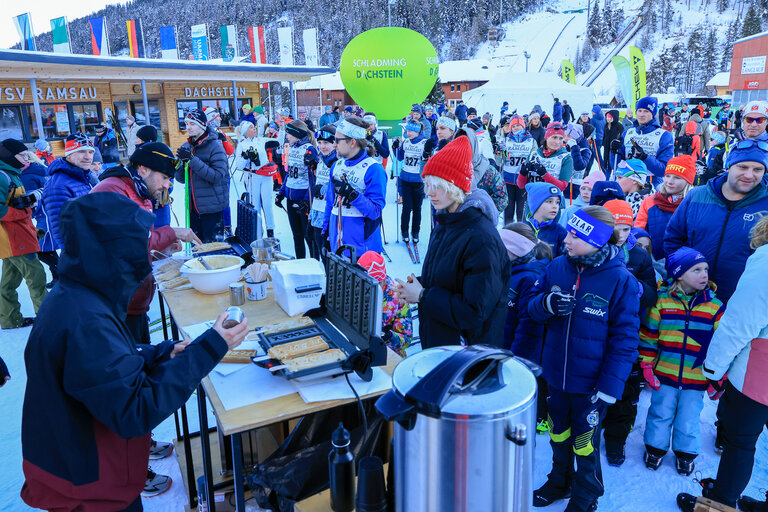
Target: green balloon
[[386, 70]]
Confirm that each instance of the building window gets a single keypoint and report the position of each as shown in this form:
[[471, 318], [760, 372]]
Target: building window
[[329, 97], [452, 87], [154, 113], [182, 107], [11, 126], [223, 106], [86, 117], [55, 121], [458, 87]]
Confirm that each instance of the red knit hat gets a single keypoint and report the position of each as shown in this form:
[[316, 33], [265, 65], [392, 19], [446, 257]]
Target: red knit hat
[[453, 163], [621, 211], [683, 166], [554, 129], [373, 263]]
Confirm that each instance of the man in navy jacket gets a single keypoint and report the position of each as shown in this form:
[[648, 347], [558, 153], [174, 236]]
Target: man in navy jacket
[[93, 395]]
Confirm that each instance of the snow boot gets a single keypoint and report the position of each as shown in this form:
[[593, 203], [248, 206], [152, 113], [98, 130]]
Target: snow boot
[[155, 484], [542, 427], [574, 507], [159, 450], [549, 493], [684, 463], [686, 502], [614, 452], [653, 458], [747, 504]]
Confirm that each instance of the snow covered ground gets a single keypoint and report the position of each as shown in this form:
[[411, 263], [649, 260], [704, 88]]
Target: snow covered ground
[[629, 488]]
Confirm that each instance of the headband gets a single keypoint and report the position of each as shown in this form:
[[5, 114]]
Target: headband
[[414, 127], [447, 122], [589, 229], [351, 130], [516, 244], [295, 131], [370, 118]]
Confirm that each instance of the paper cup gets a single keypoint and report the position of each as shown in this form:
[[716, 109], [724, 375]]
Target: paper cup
[[254, 290]]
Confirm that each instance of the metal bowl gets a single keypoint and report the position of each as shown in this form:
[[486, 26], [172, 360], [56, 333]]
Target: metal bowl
[[226, 270]]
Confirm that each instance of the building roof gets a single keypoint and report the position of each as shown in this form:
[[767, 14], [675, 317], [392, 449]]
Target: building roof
[[329, 82], [20, 64], [753, 36], [472, 70], [721, 79]]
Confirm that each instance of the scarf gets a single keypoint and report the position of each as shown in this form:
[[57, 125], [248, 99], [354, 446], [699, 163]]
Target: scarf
[[522, 260], [139, 184], [596, 259], [666, 203], [548, 152]]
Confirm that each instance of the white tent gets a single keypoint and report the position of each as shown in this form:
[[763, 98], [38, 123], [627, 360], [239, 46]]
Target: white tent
[[524, 90]]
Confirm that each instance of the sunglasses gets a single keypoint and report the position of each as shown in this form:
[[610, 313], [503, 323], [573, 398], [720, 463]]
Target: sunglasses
[[755, 120], [338, 139], [749, 143]]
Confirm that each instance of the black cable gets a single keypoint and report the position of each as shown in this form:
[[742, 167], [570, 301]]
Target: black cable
[[362, 411]]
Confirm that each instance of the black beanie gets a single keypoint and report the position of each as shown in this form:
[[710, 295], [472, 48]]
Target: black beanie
[[156, 156], [9, 148], [147, 133], [471, 111]]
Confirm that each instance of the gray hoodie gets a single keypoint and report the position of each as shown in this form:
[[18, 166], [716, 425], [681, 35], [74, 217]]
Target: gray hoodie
[[480, 199], [480, 163]]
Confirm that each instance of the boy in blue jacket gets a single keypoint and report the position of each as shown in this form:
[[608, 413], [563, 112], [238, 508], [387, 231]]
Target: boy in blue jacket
[[544, 202], [589, 303]]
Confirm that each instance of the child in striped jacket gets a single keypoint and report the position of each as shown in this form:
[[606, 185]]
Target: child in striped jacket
[[674, 338]]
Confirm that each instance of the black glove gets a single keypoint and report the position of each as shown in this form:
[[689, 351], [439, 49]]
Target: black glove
[[279, 201], [538, 169], [310, 160], [345, 191], [3, 372], [525, 170], [302, 207], [638, 152], [386, 333], [317, 191], [429, 147], [369, 136], [184, 153], [559, 304], [442, 144], [395, 144], [616, 145], [376, 145], [252, 155]]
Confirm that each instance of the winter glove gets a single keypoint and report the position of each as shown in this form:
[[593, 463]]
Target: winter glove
[[638, 152], [279, 201], [442, 144], [525, 170], [538, 169], [317, 191], [559, 304], [608, 399], [570, 144], [4, 374], [429, 147], [310, 160], [386, 333], [650, 377], [716, 388], [616, 145], [376, 144], [301, 207], [345, 191], [252, 156], [395, 144], [184, 153]]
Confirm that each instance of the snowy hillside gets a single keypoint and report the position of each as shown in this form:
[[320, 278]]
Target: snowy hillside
[[670, 23]]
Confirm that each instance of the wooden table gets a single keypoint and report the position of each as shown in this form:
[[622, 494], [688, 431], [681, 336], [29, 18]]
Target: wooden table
[[189, 307]]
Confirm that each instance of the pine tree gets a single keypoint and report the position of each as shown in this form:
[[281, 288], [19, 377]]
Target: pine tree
[[752, 23], [710, 57], [722, 5], [594, 30], [609, 29], [730, 37]]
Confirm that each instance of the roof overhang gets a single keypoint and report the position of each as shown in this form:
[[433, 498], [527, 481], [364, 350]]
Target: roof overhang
[[17, 64]]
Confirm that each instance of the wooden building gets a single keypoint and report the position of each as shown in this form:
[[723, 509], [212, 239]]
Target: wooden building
[[57, 94]]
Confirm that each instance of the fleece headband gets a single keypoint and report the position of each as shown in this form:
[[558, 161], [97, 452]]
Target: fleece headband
[[370, 119], [351, 130], [447, 122], [516, 244], [589, 229], [413, 126]]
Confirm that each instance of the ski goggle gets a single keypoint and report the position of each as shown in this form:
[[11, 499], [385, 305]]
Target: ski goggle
[[751, 143], [754, 120]]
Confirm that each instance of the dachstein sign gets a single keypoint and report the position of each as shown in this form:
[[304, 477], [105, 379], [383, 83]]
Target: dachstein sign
[[753, 65], [386, 70]]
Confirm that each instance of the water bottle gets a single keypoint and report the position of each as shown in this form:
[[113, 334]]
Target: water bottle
[[341, 469]]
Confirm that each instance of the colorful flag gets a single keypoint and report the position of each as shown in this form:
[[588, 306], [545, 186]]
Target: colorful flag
[[310, 47], [256, 42], [60, 33], [99, 40], [285, 41], [637, 67], [623, 73], [168, 47], [200, 42], [228, 43], [569, 75], [23, 24], [135, 39]]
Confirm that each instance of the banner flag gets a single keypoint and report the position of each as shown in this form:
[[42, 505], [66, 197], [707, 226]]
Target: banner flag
[[637, 67], [169, 49], [258, 47], [23, 24], [200, 42], [60, 35], [135, 39], [310, 47], [99, 40], [285, 43], [624, 75], [228, 42], [569, 75]]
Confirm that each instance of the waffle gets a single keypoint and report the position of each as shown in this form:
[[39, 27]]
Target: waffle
[[297, 348], [312, 360], [176, 282], [211, 247], [238, 356]]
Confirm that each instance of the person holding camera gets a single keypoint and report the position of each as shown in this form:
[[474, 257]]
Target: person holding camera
[[18, 238]]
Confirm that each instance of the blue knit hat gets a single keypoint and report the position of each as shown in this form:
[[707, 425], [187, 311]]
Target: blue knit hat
[[417, 108], [640, 233], [748, 150], [680, 261], [596, 109], [604, 191], [97, 156], [540, 192], [648, 103], [41, 144]]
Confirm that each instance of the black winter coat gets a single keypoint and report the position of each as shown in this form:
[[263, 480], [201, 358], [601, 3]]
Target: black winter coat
[[208, 174], [612, 132], [538, 134], [466, 278], [640, 265]]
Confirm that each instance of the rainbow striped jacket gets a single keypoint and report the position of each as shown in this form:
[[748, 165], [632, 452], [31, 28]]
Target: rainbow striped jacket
[[675, 335]]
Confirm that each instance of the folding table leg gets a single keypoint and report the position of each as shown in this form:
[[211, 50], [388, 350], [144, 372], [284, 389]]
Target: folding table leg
[[237, 471], [188, 460], [206, 448]]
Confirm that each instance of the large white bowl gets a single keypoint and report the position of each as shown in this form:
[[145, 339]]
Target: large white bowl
[[226, 270]]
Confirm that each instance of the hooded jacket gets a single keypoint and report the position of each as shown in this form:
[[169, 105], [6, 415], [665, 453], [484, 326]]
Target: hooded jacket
[[208, 174], [702, 132], [465, 277], [613, 131], [705, 222], [657, 165], [92, 395], [598, 121], [593, 348], [107, 144], [485, 175], [521, 335], [118, 179], [653, 216], [17, 233], [66, 182]]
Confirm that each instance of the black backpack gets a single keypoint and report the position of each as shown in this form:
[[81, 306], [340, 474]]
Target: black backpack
[[685, 144]]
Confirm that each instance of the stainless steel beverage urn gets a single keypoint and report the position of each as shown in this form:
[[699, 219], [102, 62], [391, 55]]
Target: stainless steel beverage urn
[[464, 426]]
